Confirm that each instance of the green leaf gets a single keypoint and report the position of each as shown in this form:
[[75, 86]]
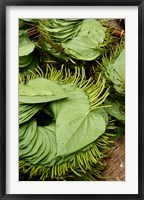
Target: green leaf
[[115, 71], [85, 46], [32, 21], [24, 61], [80, 39], [39, 143], [29, 133], [27, 111], [61, 30], [30, 66], [26, 46], [40, 90], [76, 126], [78, 49], [116, 110], [51, 140]]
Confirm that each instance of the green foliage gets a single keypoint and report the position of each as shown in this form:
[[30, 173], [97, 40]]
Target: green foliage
[[28, 59], [61, 30], [114, 67], [77, 122], [74, 114], [116, 110], [86, 45], [40, 90], [79, 39], [71, 98], [26, 46]]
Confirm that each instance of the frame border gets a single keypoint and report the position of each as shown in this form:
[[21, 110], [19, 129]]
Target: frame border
[[3, 5]]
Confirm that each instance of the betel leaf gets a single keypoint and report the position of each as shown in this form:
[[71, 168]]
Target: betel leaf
[[40, 90], [31, 66], [51, 137], [27, 111], [104, 114], [24, 61], [79, 39], [76, 126], [32, 21], [29, 138], [84, 130], [81, 51], [115, 71], [26, 46], [61, 30], [116, 110], [85, 46], [38, 144]]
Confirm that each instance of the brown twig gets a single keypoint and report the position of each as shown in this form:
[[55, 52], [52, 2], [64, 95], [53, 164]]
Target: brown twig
[[118, 33]]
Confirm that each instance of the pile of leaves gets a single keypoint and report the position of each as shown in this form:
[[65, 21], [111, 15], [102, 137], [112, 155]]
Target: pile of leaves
[[71, 97]]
